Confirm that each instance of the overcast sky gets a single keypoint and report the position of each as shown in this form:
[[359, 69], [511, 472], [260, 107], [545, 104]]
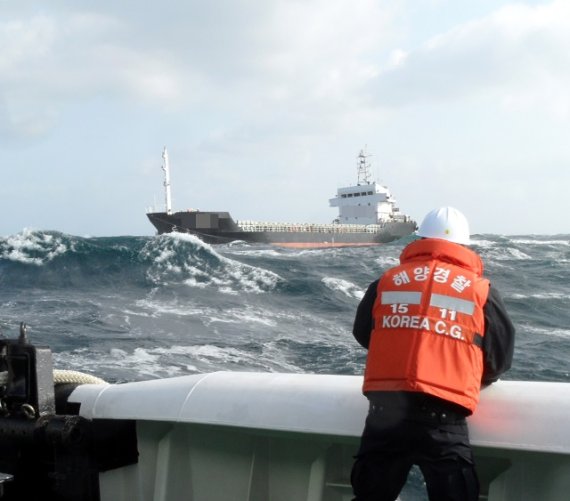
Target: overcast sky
[[264, 105]]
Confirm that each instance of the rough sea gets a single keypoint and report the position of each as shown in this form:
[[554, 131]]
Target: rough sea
[[134, 308]]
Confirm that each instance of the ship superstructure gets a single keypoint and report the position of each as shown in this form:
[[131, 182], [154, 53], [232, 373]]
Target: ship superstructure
[[367, 202]]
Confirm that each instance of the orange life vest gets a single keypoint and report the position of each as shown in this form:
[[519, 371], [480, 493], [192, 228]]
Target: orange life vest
[[429, 324]]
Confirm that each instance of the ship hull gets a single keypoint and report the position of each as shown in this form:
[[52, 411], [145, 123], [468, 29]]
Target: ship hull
[[220, 228]]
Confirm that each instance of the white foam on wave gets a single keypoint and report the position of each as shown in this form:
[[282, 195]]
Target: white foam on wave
[[547, 331], [164, 255], [161, 361], [524, 241], [205, 353], [541, 295], [517, 254], [208, 316], [132, 365], [187, 237], [507, 254], [308, 252], [240, 316], [20, 247], [150, 308], [387, 261], [483, 243], [209, 270], [347, 288], [250, 278], [212, 357], [255, 252], [271, 351], [193, 282]]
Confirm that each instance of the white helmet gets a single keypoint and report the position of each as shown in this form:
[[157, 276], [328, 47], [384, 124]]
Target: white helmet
[[446, 223]]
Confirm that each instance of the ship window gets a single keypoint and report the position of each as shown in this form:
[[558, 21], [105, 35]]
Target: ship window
[[370, 193], [350, 195], [343, 196], [363, 193], [357, 194]]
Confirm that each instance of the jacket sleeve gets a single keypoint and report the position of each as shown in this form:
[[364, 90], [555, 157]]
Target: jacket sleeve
[[363, 321], [499, 338]]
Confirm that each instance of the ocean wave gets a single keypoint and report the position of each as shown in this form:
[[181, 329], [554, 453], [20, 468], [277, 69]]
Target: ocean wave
[[254, 252], [387, 261], [213, 357], [528, 241], [34, 247], [182, 258], [208, 315], [153, 308], [130, 308], [119, 364], [53, 260], [243, 322], [548, 331], [505, 254], [541, 295], [483, 243], [240, 316], [347, 288]]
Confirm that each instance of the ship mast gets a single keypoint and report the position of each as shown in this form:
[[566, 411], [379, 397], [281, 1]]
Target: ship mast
[[166, 169], [363, 167]]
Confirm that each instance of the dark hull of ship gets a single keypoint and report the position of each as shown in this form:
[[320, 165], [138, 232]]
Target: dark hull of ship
[[220, 228]]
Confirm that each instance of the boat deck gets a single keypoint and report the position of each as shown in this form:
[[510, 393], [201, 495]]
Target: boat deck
[[282, 437]]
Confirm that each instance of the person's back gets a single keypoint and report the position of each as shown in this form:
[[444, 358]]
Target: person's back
[[436, 330]]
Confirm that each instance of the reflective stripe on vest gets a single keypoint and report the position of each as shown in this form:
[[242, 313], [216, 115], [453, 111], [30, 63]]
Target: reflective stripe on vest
[[452, 303], [438, 300], [395, 297]]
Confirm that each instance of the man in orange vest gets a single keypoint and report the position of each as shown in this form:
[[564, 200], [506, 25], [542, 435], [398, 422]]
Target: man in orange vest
[[436, 331]]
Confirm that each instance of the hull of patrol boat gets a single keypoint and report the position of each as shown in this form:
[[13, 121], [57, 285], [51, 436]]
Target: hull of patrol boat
[[265, 436]]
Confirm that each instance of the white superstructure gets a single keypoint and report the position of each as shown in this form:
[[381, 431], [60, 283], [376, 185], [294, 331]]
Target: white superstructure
[[367, 202]]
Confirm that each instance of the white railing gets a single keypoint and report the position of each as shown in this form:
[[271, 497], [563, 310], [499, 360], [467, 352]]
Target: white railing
[[259, 226]]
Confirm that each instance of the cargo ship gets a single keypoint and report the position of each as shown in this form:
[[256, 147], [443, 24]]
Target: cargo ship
[[368, 215]]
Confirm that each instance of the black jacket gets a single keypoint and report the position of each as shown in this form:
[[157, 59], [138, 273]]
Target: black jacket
[[498, 341]]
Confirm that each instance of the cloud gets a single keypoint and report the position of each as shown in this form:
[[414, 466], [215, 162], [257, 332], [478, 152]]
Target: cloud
[[236, 56], [51, 61], [259, 60], [518, 57], [24, 42]]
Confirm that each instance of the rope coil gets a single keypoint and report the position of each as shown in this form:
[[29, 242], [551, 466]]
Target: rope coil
[[64, 377]]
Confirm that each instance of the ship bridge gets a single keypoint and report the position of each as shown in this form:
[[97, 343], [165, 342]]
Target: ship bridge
[[367, 202]]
